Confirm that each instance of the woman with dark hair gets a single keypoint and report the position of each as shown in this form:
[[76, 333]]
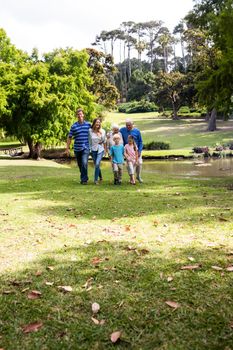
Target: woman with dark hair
[[97, 141]]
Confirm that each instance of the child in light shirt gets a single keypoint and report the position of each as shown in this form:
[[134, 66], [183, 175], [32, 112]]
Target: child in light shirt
[[116, 155]]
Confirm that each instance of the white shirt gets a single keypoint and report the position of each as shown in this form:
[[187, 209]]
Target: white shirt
[[97, 141]]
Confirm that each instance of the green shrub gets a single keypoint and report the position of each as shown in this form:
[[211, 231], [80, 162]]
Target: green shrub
[[138, 107], [156, 145], [184, 110]]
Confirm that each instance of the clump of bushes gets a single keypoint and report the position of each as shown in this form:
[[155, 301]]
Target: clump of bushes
[[204, 150], [156, 145], [230, 145], [138, 107], [184, 110]]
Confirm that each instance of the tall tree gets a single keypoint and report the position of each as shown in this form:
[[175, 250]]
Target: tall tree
[[215, 85], [102, 72], [152, 30], [44, 96]]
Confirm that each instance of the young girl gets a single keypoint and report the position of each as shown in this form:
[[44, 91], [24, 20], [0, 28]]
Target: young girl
[[131, 155]]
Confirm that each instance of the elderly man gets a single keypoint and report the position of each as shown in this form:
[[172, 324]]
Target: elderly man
[[80, 132], [129, 129]]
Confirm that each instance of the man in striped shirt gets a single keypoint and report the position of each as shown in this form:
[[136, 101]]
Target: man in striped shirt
[[80, 131]]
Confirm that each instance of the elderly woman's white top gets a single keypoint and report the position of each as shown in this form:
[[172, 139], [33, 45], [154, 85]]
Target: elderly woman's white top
[[97, 141]]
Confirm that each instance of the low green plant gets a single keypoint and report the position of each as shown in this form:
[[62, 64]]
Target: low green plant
[[142, 106], [156, 145]]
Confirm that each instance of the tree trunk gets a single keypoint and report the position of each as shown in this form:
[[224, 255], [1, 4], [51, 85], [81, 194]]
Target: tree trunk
[[212, 121], [31, 148], [34, 150], [37, 151], [175, 110]]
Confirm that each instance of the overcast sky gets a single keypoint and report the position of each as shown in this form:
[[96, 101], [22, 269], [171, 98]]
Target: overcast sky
[[50, 24]]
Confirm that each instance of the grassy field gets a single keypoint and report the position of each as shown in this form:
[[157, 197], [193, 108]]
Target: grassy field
[[180, 134], [156, 257]]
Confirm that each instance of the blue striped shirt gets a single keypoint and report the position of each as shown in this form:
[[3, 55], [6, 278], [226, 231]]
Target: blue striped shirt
[[80, 133]]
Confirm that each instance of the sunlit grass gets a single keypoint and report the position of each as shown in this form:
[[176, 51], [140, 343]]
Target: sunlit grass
[[53, 230]]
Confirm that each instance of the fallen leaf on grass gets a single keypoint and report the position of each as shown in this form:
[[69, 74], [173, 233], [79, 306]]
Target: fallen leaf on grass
[[127, 228], [190, 267], [191, 258], [229, 269], [50, 268], [96, 260], [115, 336], [95, 320], [95, 308], [7, 292], [172, 304], [49, 283], [101, 322], [222, 219], [155, 223], [170, 279], [32, 327], [144, 251], [129, 248], [217, 268], [34, 294], [65, 289], [38, 273], [88, 283]]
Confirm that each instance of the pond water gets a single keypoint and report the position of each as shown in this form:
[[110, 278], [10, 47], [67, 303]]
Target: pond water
[[185, 168], [191, 168]]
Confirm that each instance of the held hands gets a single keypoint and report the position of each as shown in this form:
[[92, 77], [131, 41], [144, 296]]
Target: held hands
[[67, 152]]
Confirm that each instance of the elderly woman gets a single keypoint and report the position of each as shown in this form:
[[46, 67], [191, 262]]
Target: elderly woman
[[110, 134], [97, 141]]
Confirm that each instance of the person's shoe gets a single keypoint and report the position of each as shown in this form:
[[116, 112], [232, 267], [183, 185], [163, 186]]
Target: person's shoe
[[100, 179], [139, 179], [119, 182], [96, 183], [115, 182], [83, 182]]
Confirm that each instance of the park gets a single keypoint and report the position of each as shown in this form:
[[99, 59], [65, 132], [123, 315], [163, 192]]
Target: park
[[139, 267]]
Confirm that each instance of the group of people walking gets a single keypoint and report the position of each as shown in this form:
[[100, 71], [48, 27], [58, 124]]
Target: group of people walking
[[120, 145]]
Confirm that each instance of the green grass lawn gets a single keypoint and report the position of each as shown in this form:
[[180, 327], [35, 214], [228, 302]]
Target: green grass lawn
[[123, 247]]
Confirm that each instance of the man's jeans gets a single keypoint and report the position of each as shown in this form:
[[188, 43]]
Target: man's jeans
[[82, 161], [97, 159]]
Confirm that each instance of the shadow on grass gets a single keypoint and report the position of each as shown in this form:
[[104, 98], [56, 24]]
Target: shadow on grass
[[65, 197], [131, 286]]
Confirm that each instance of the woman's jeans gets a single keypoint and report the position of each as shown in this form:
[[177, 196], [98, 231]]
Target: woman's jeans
[[97, 159], [82, 161]]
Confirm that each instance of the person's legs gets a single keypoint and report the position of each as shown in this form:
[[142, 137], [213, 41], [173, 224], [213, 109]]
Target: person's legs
[[94, 156], [115, 172], [120, 171], [130, 167], [97, 166], [78, 156], [139, 169], [84, 166]]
